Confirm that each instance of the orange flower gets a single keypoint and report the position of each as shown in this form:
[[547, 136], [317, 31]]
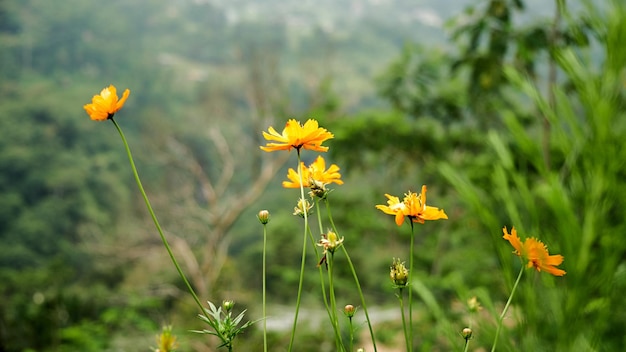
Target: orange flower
[[310, 136], [414, 206], [393, 207], [105, 105], [294, 179], [315, 175], [535, 252]]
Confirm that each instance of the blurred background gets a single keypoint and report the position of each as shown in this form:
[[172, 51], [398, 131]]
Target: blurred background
[[511, 111]]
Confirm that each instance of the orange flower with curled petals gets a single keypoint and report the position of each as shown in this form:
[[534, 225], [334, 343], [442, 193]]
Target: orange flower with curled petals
[[308, 136], [393, 207], [413, 206], [316, 175], [535, 252], [418, 211], [105, 105]]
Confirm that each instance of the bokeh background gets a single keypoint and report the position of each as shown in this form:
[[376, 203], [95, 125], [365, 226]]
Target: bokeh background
[[511, 111]]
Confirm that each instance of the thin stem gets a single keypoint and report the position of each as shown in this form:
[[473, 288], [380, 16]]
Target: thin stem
[[303, 261], [354, 275], [319, 267], [351, 334], [264, 289], [156, 222], [506, 307], [410, 347], [333, 303], [404, 327]]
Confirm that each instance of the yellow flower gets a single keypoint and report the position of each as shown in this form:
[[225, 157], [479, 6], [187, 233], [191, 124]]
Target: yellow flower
[[105, 105], [413, 206], [315, 175], [310, 136], [166, 341], [294, 179], [535, 252]]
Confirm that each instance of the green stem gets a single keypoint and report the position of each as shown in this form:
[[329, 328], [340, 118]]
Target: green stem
[[319, 267], [404, 327], [156, 222], [264, 289], [333, 302], [354, 275], [410, 347], [303, 260], [506, 307], [351, 334]]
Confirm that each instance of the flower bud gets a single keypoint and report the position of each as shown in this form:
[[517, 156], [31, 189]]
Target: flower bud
[[330, 242], [166, 341], [473, 305], [302, 207], [466, 333], [349, 310], [398, 273], [318, 189], [228, 305], [264, 216]]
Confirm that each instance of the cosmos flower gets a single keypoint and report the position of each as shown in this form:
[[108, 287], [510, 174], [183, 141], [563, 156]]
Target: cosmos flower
[[314, 176], [535, 252], [105, 105], [296, 136], [412, 206]]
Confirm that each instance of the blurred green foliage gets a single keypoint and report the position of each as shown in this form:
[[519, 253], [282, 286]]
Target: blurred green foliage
[[515, 123]]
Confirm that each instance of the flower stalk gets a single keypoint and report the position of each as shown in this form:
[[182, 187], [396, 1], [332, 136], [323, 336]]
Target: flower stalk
[[354, 275], [303, 260], [154, 218], [410, 285], [264, 219], [506, 308]]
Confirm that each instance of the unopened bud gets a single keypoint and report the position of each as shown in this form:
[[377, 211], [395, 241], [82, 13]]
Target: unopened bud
[[264, 216], [473, 305], [302, 207], [228, 305], [466, 333], [398, 273], [349, 310]]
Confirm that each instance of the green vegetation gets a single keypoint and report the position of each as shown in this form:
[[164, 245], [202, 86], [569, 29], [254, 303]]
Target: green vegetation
[[514, 121]]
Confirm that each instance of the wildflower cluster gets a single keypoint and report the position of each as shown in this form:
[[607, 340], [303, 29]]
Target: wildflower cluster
[[317, 177]]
